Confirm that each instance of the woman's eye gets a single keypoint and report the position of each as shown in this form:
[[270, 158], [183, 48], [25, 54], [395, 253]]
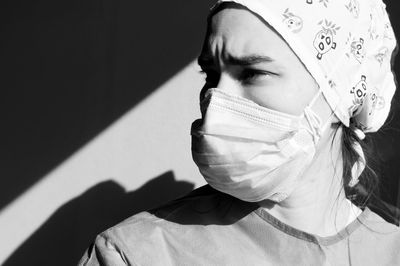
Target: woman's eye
[[250, 75]]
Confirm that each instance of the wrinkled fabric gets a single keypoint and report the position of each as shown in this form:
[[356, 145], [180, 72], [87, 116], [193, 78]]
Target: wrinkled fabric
[[208, 227], [346, 45]]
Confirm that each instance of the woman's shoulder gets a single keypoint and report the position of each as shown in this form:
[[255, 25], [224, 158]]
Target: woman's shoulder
[[180, 224], [375, 223], [382, 237], [201, 200], [203, 206]]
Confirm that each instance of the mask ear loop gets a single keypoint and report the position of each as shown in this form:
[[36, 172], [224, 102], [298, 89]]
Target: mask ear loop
[[316, 127], [313, 120]]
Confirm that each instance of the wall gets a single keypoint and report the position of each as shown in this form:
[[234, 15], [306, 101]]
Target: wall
[[99, 98]]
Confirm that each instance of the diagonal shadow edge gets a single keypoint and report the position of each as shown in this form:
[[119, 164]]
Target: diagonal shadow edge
[[49, 185], [114, 73]]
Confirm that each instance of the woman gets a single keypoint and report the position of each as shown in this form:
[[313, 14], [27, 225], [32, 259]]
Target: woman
[[291, 88]]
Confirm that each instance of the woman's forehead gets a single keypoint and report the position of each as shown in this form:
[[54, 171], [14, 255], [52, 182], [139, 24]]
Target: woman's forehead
[[240, 33]]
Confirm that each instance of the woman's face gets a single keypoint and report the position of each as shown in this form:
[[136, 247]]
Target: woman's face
[[246, 57]]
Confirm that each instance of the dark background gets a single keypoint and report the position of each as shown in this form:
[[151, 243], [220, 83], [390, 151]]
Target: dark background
[[71, 68]]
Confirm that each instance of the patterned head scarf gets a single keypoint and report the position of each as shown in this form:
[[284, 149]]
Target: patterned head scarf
[[346, 45]]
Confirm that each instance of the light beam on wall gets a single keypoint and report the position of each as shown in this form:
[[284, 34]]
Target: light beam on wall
[[152, 138]]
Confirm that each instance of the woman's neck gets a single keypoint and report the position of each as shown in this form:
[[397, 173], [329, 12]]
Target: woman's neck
[[318, 205]]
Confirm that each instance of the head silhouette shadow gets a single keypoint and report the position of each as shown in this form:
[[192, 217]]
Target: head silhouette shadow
[[63, 238]]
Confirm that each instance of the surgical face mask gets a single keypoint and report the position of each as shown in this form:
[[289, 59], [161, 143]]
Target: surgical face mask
[[251, 152]]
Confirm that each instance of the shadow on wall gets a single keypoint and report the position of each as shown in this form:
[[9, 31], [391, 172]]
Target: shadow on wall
[[63, 239], [70, 68]]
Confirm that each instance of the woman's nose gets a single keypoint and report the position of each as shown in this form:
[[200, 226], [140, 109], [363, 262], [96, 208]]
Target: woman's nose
[[227, 84]]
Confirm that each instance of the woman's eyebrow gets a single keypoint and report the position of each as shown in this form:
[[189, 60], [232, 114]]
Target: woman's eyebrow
[[207, 60], [249, 60]]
